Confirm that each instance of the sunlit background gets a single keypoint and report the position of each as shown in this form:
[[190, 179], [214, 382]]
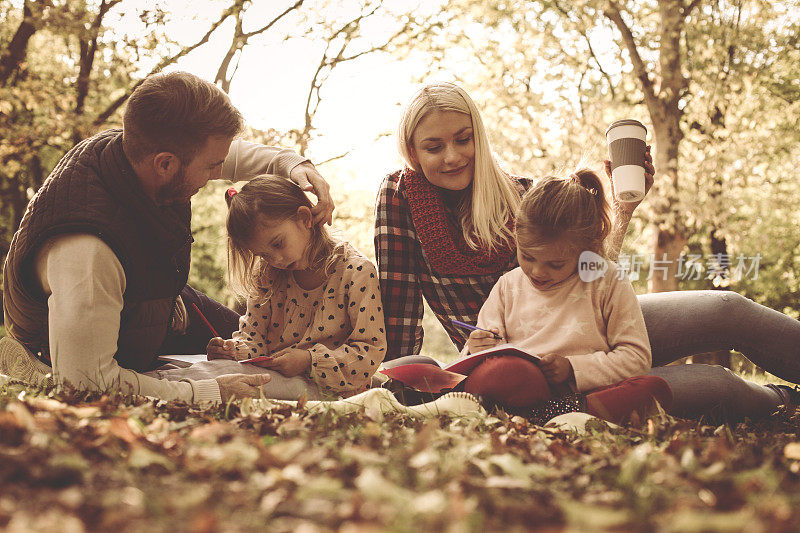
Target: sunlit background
[[328, 79]]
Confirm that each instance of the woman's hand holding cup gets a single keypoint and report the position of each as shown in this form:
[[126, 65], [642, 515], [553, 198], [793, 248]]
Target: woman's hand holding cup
[[630, 168], [649, 179]]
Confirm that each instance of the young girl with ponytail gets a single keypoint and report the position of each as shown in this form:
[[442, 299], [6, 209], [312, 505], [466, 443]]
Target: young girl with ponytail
[[314, 316], [585, 323]]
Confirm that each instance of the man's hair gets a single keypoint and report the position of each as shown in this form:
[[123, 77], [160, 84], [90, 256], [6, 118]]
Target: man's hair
[[176, 112]]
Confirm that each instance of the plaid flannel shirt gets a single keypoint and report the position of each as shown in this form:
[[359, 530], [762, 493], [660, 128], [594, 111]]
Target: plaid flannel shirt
[[406, 276]]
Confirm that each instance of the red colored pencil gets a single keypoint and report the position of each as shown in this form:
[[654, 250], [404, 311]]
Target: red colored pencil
[[205, 320], [257, 359]]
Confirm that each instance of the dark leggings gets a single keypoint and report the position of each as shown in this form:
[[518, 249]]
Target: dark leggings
[[224, 320], [683, 323]]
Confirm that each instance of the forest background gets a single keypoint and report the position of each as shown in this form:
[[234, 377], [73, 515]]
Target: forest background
[[716, 82]]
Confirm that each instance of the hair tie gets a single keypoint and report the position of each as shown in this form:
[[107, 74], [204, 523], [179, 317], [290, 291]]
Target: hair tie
[[231, 192], [577, 180]]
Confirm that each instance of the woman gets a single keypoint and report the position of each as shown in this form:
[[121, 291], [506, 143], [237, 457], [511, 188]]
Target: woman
[[443, 232]]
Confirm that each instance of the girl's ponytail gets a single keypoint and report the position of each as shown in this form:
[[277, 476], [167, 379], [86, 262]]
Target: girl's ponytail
[[592, 183], [574, 208], [588, 180]]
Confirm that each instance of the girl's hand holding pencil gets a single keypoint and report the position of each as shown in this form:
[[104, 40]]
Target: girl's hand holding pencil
[[219, 348], [482, 339], [479, 339], [495, 331]]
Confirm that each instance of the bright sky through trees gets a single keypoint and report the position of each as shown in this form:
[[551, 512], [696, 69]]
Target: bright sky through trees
[[361, 101]]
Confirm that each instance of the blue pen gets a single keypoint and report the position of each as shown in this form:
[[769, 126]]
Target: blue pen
[[473, 328]]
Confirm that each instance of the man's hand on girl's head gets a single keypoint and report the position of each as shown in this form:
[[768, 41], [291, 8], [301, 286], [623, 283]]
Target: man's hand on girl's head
[[556, 368], [305, 175]]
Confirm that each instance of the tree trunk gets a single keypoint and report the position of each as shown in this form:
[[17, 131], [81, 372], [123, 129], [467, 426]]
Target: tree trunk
[[14, 54], [663, 105], [667, 249], [670, 237]]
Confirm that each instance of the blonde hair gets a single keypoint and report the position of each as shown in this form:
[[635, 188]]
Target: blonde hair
[[272, 199], [487, 214], [574, 209]]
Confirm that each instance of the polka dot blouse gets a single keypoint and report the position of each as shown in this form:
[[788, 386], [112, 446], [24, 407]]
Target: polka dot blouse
[[340, 323]]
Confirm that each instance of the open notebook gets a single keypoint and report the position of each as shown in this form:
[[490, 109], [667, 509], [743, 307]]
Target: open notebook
[[183, 360], [430, 377]]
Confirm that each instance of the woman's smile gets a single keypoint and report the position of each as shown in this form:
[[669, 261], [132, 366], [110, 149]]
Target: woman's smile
[[444, 149], [456, 170]]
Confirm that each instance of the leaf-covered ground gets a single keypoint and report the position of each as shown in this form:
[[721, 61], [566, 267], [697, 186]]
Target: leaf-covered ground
[[75, 462]]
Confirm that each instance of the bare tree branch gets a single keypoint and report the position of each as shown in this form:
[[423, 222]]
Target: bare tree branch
[[347, 31], [273, 21], [581, 100], [614, 15], [334, 158], [585, 36], [236, 45], [102, 117], [330, 60], [239, 41], [88, 49], [718, 107]]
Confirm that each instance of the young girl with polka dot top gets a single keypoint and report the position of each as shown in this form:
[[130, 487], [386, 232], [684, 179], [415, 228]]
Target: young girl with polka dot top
[[313, 304]]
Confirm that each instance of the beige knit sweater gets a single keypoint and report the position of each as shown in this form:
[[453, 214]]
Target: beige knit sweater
[[597, 325]]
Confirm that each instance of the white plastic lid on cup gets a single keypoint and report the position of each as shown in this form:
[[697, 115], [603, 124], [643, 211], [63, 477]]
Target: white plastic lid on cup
[[628, 177], [627, 127]]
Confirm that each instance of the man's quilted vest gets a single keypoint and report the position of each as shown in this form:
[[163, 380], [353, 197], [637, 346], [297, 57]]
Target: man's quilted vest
[[94, 190]]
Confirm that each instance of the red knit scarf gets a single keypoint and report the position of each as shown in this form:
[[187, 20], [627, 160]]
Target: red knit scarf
[[443, 241]]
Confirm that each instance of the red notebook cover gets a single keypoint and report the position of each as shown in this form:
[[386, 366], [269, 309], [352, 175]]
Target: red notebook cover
[[424, 377], [465, 364], [431, 378]]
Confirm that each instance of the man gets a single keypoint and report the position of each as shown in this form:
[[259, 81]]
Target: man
[[95, 280]]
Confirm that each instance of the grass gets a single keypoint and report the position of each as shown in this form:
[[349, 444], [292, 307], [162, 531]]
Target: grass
[[79, 461]]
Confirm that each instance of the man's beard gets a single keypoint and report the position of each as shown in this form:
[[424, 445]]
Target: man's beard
[[175, 191]]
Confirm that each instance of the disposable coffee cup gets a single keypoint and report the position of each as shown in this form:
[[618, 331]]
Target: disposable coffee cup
[[626, 146]]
